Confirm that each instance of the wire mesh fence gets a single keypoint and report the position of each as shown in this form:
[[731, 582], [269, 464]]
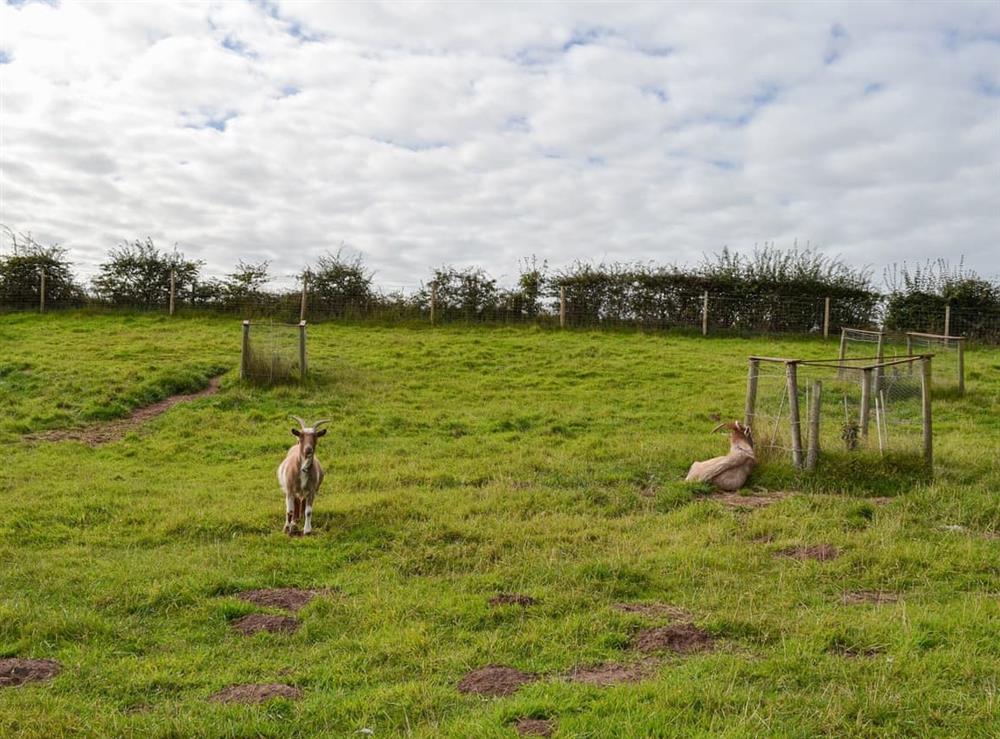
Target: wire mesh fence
[[273, 353], [854, 407], [949, 352], [697, 311]]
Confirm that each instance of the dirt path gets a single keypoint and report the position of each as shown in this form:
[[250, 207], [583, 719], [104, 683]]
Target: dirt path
[[102, 433]]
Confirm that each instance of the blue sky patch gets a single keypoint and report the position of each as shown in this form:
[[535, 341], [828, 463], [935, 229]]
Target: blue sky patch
[[235, 45], [655, 92], [518, 123], [585, 37]]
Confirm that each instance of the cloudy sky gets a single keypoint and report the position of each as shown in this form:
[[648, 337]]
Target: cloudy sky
[[421, 133]]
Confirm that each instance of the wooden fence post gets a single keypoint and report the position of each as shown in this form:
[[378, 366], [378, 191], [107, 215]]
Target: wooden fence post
[[961, 365], [751, 403], [843, 344], [41, 294], [305, 292], [173, 290], [879, 371], [909, 352], [812, 450], [866, 400], [704, 314], [302, 349], [245, 352], [791, 374], [434, 298], [826, 318], [925, 401], [947, 319], [562, 307]]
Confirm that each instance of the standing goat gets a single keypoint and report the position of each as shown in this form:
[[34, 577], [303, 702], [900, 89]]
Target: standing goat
[[301, 474], [730, 472]]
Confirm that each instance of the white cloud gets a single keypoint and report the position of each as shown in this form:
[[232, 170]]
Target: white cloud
[[428, 133]]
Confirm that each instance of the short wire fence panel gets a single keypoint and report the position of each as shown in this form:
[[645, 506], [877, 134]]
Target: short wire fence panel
[[272, 353], [864, 409], [948, 367]]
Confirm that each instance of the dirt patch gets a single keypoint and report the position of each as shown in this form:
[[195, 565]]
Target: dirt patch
[[250, 694], [653, 610], [15, 671], [819, 552], [868, 596], [258, 622], [495, 680], [512, 599], [290, 599], [680, 638], [103, 433], [612, 674], [735, 500], [880, 500], [534, 726]]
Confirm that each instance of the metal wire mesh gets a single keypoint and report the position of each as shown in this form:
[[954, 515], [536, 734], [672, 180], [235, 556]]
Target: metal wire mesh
[[863, 408], [272, 353], [947, 369]]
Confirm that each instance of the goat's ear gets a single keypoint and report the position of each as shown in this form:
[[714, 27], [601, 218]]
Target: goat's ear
[[295, 431], [321, 432]]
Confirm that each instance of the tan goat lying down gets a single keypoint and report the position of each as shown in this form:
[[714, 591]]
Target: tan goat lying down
[[731, 471]]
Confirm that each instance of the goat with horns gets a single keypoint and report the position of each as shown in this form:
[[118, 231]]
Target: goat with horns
[[301, 474], [730, 472]]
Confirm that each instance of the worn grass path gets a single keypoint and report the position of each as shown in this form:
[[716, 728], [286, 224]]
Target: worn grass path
[[464, 462]]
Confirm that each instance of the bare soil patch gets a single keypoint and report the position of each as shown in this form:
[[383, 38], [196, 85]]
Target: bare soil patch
[[534, 726], [680, 638], [103, 433], [653, 610], [258, 622], [868, 596], [612, 674], [819, 552], [250, 694], [290, 599], [15, 671], [495, 680], [512, 599], [735, 500]]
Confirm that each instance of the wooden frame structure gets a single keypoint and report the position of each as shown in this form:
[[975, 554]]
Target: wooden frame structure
[[245, 351], [871, 369], [946, 340]]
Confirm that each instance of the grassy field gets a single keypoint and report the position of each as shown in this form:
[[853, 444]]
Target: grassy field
[[464, 462]]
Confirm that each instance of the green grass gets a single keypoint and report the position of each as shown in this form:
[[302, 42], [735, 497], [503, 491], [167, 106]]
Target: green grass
[[463, 462]]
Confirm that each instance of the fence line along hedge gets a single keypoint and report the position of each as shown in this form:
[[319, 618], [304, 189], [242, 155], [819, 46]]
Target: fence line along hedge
[[770, 290]]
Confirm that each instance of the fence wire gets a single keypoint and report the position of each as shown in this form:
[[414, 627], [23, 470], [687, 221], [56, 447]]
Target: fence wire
[[639, 307], [890, 423], [272, 353]]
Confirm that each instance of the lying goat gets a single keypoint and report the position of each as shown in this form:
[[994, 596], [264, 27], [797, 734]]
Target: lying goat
[[301, 474], [731, 471]]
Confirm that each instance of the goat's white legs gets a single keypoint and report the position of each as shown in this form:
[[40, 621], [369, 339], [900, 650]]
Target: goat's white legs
[[309, 519], [289, 513]]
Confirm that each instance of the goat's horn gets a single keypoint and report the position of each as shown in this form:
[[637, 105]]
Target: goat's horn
[[721, 425], [302, 424], [320, 423]]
